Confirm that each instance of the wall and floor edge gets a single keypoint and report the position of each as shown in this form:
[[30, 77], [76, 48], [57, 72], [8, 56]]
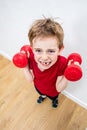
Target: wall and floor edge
[[5, 55]]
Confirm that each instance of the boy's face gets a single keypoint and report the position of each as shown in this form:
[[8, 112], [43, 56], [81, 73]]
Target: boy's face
[[46, 52]]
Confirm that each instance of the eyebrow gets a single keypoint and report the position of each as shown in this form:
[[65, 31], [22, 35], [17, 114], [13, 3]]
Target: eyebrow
[[51, 49], [47, 49], [37, 48]]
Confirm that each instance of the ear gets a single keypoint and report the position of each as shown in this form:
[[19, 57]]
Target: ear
[[60, 50]]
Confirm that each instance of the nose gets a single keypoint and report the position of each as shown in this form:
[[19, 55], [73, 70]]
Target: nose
[[44, 56]]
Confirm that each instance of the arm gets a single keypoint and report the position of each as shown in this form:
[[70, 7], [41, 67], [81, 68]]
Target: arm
[[28, 74], [61, 83], [73, 72]]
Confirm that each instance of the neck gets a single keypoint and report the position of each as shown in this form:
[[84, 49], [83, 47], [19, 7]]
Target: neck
[[41, 69]]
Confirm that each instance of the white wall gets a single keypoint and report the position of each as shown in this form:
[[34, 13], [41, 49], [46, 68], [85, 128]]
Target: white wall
[[17, 16]]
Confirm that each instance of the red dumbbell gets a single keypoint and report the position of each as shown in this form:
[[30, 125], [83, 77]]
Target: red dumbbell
[[73, 72], [21, 59]]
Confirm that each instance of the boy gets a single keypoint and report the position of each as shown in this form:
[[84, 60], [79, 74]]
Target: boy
[[46, 66]]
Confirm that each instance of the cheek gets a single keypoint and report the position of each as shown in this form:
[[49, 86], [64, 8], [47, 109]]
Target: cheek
[[54, 58], [36, 57]]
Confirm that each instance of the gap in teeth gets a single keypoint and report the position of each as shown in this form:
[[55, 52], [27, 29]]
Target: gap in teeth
[[46, 63]]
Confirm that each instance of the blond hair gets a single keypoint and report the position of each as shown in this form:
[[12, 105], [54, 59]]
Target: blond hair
[[44, 28]]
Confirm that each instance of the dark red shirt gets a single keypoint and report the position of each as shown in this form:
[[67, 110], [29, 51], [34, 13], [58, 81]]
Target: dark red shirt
[[45, 81]]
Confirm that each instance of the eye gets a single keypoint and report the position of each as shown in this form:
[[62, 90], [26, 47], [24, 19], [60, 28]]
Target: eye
[[51, 51], [38, 50]]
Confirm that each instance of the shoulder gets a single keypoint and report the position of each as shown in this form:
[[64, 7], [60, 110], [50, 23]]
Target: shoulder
[[62, 59], [31, 54], [62, 63]]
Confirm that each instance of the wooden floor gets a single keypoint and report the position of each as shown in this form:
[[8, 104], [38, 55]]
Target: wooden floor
[[20, 111]]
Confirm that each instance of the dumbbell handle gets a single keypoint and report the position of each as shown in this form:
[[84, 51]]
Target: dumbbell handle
[[73, 62]]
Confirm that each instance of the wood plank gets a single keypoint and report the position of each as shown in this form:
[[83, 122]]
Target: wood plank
[[20, 111]]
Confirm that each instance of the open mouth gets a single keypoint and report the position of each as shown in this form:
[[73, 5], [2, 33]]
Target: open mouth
[[44, 63]]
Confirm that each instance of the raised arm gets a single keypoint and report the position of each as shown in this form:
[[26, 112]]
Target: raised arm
[[61, 83], [28, 74]]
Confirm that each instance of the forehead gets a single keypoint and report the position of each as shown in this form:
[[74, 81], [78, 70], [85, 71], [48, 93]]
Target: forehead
[[45, 42]]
